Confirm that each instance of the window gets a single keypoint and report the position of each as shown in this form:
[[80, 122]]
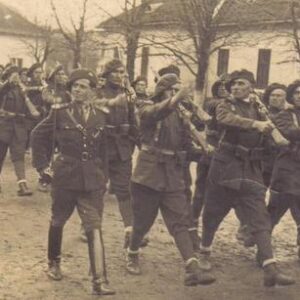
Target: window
[[17, 62], [263, 68], [223, 60], [145, 62]]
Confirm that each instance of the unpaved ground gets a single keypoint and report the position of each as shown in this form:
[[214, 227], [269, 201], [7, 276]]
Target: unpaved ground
[[23, 239]]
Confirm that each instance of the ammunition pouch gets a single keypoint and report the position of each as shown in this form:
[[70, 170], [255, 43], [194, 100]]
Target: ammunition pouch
[[242, 152]]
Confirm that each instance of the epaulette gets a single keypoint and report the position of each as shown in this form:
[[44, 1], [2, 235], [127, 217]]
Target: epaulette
[[60, 105]]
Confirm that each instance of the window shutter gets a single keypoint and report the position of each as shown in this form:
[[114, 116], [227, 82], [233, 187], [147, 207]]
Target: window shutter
[[263, 68]]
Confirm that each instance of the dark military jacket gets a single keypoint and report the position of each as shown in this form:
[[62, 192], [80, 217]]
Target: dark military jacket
[[13, 114], [286, 172], [239, 154], [120, 125], [165, 143], [80, 163], [272, 149]]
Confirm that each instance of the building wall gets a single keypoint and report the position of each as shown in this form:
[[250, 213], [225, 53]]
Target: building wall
[[242, 54], [14, 47]]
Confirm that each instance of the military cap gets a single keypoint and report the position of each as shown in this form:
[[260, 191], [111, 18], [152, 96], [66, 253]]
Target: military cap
[[290, 91], [82, 74], [111, 66], [170, 69], [164, 83], [272, 87], [54, 72], [240, 74], [8, 71], [138, 79], [33, 68]]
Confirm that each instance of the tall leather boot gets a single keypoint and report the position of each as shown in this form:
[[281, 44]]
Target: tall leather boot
[[97, 263], [54, 252], [273, 276], [23, 188]]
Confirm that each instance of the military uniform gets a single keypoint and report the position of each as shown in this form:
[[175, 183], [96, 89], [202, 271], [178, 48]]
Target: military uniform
[[120, 146], [158, 180], [79, 177], [235, 176], [285, 190], [13, 133]]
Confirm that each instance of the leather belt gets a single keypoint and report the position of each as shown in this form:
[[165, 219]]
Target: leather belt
[[83, 156]]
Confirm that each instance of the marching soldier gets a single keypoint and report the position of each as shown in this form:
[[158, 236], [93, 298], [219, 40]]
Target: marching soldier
[[78, 173], [121, 141], [285, 190], [158, 179], [55, 93], [140, 87], [14, 111], [235, 175]]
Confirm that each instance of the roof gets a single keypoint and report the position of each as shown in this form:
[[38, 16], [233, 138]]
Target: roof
[[247, 12], [12, 22]]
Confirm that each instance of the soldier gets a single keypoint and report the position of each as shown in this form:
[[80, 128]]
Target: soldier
[[14, 110], [158, 182], [285, 190], [23, 76], [55, 93], [275, 100], [78, 173], [120, 128], [235, 175], [140, 87]]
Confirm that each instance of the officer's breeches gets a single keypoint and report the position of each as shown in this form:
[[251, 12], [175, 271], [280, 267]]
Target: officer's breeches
[[174, 208], [89, 206]]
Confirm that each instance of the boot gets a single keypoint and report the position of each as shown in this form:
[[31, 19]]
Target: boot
[[54, 252], [145, 241], [272, 276], [194, 275], [43, 186], [100, 283], [54, 271], [132, 264], [23, 189], [204, 259]]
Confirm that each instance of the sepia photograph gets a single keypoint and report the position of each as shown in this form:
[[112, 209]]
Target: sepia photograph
[[150, 149]]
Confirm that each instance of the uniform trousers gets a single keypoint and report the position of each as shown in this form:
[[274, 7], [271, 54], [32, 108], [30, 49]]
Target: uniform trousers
[[251, 199], [89, 205], [147, 202]]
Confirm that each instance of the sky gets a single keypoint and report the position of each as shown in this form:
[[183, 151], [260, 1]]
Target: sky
[[41, 10]]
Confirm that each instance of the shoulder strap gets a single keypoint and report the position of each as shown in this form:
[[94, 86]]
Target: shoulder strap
[[77, 125]]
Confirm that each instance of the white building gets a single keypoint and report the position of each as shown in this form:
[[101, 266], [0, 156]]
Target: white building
[[263, 45], [17, 36]]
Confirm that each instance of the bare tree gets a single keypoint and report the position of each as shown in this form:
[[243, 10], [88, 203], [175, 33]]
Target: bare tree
[[130, 25], [40, 46], [75, 39]]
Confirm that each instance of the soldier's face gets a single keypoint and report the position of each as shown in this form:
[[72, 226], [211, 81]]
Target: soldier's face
[[60, 77], [277, 99], [241, 88], [37, 74], [117, 76], [81, 90], [169, 93], [296, 97], [141, 87], [222, 92]]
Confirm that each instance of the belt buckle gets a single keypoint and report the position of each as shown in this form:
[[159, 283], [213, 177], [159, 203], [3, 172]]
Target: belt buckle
[[84, 156]]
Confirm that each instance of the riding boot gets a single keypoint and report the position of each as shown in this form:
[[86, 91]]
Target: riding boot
[[54, 252], [97, 263]]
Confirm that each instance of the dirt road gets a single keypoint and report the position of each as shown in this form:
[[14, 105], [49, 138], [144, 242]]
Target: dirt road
[[24, 223]]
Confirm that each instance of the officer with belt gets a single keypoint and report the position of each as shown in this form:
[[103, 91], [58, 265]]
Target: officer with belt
[[158, 179], [235, 175], [78, 172]]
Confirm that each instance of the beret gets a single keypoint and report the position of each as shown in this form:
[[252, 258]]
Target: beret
[[240, 74], [82, 74]]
